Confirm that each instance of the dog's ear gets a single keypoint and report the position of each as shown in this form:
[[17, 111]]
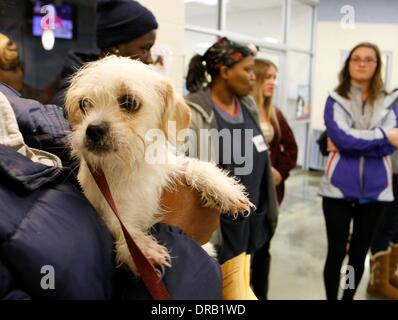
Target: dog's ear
[[72, 111], [175, 109]]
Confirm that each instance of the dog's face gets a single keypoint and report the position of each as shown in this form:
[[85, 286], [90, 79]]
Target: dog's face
[[112, 103]]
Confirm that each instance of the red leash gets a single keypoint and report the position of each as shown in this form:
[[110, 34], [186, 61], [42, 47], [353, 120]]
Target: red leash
[[154, 285]]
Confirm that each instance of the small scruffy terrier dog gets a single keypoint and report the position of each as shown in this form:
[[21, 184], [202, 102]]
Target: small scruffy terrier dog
[[112, 104]]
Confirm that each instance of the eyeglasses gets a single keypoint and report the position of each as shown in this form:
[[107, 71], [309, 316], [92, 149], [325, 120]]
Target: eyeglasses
[[358, 60]]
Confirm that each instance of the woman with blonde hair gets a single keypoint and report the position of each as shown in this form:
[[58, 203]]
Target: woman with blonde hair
[[283, 154], [283, 147]]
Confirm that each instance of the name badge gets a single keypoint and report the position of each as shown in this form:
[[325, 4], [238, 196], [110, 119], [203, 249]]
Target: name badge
[[260, 144]]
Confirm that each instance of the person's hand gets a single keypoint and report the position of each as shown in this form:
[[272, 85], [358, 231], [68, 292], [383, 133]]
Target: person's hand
[[392, 136], [276, 176], [331, 146], [184, 210]]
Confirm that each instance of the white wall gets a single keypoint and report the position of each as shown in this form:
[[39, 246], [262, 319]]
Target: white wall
[[170, 16], [331, 40]]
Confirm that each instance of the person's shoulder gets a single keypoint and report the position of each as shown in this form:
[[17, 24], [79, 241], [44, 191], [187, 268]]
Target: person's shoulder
[[200, 103], [279, 112], [334, 97], [9, 92], [248, 102], [199, 97], [75, 60], [16, 99], [390, 99]]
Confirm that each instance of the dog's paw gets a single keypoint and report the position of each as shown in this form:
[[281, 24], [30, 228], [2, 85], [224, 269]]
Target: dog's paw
[[217, 189], [157, 254], [236, 205], [210, 250]]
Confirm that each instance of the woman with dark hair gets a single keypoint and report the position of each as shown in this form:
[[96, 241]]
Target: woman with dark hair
[[220, 82], [361, 121]]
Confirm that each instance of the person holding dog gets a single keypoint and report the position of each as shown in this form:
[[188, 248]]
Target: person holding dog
[[181, 229], [47, 225], [223, 106]]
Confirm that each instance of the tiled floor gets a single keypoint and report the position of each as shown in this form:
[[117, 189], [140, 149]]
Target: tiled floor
[[298, 248]]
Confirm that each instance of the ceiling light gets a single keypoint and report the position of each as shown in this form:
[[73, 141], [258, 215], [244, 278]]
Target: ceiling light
[[271, 40], [205, 2], [48, 39]]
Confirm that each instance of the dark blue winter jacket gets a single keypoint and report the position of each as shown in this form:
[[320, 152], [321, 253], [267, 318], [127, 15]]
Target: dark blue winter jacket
[[53, 245], [49, 229]]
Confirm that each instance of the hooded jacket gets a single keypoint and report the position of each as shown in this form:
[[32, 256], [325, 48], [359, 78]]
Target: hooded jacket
[[361, 168]]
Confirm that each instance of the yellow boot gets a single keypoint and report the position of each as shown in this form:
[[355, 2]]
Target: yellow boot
[[236, 281], [379, 286], [394, 265]]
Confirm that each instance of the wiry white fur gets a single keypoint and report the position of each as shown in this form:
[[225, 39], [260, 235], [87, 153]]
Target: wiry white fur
[[135, 184]]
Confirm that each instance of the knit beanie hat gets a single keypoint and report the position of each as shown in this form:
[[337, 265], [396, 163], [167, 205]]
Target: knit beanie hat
[[120, 21]]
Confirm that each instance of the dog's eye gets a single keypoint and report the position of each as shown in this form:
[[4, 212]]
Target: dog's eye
[[84, 104], [128, 103]]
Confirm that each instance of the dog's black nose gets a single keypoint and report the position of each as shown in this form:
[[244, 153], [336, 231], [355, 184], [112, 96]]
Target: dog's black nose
[[95, 132]]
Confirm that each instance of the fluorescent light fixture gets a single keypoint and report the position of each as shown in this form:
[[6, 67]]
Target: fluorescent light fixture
[[206, 2], [203, 44], [271, 39]]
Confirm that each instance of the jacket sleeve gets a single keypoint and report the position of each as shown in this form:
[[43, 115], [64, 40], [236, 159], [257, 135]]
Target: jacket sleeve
[[356, 142], [43, 127], [288, 156]]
